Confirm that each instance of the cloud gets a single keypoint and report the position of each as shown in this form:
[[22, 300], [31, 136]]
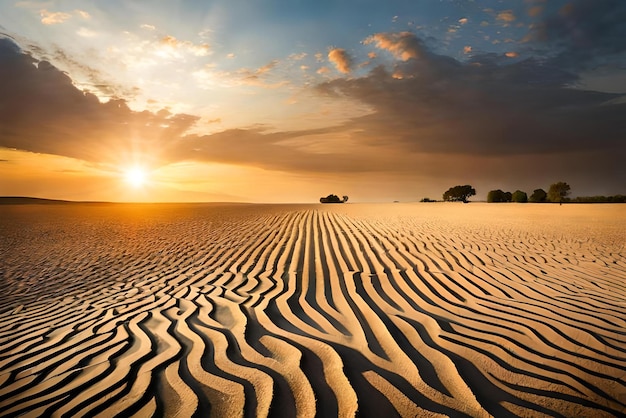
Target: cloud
[[83, 14], [340, 58], [535, 11], [209, 77], [260, 77], [42, 111], [583, 35], [489, 106], [174, 45], [506, 16], [85, 76], [53, 18], [266, 68], [403, 45], [86, 33], [298, 57], [443, 121]]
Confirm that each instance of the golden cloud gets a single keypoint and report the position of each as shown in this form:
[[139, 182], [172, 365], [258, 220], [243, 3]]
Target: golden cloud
[[506, 16], [403, 45], [53, 18], [199, 50], [340, 58]]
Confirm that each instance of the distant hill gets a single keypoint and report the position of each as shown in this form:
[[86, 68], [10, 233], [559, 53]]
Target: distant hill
[[21, 200]]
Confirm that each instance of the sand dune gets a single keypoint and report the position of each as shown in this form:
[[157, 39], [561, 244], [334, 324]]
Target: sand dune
[[313, 310]]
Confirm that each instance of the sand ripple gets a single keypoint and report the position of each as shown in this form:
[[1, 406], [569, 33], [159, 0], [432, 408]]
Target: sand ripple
[[353, 310]]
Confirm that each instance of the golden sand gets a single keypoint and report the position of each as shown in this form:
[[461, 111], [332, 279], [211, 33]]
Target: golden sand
[[313, 310]]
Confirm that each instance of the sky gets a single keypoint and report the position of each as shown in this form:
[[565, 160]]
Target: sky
[[291, 100]]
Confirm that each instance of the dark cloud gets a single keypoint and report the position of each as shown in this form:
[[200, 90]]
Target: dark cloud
[[489, 106], [584, 34], [42, 111], [519, 108], [316, 150]]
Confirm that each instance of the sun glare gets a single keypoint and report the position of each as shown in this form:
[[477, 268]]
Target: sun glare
[[136, 176]]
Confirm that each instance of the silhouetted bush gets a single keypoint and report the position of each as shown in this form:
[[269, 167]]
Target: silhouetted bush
[[538, 196], [333, 198], [519, 197], [497, 196], [558, 192], [459, 193]]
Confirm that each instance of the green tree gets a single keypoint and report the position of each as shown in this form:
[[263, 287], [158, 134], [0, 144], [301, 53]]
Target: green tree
[[519, 197], [558, 192], [538, 196], [496, 196], [459, 193]]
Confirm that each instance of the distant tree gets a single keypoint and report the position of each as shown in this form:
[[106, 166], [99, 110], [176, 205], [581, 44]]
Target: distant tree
[[599, 199], [427, 200], [496, 196], [333, 198], [459, 193], [558, 192], [519, 197], [538, 196]]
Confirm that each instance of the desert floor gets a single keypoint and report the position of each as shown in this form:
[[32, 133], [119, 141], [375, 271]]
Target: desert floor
[[374, 310]]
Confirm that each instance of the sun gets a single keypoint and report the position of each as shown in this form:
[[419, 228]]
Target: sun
[[136, 176]]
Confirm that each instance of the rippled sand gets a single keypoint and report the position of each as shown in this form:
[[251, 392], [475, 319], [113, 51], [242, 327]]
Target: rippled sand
[[313, 310]]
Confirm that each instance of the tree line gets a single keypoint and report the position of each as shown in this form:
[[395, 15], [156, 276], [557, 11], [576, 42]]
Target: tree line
[[557, 193]]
